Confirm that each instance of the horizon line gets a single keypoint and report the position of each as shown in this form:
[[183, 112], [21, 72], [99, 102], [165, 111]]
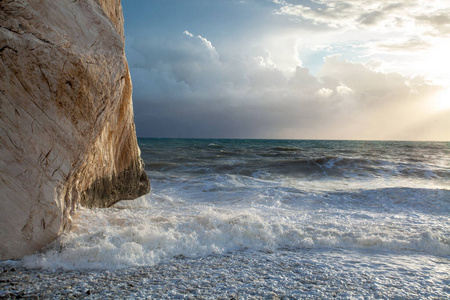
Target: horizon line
[[294, 139]]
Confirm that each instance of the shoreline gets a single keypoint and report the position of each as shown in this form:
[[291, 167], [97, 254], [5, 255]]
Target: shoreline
[[245, 274]]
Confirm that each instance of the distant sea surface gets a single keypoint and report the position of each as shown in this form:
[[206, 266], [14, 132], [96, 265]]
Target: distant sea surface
[[274, 218]]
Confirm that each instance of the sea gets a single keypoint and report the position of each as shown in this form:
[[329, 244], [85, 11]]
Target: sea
[[272, 219]]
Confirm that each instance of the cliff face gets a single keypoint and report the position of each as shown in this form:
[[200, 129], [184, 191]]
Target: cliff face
[[67, 133]]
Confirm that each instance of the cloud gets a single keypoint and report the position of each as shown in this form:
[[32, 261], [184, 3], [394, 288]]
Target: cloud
[[361, 78], [324, 93], [408, 35], [438, 22], [185, 87], [413, 17], [344, 90], [188, 33], [288, 68], [415, 44], [340, 13], [333, 14]]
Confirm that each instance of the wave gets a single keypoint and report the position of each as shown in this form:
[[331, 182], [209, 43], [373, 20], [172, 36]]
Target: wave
[[286, 149], [216, 196], [316, 167], [129, 235], [315, 159]]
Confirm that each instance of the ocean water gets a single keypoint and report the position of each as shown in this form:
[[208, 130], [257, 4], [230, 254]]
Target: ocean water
[[258, 218]]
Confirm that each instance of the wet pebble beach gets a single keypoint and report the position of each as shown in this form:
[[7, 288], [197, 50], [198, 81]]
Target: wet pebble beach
[[244, 275]]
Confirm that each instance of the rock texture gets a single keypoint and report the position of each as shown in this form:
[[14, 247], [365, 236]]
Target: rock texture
[[67, 133]]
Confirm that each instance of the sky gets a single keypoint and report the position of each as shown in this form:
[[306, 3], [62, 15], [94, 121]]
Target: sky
[[290, 69]]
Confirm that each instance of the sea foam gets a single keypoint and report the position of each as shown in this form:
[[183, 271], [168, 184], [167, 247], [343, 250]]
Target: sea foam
[[146, 232]]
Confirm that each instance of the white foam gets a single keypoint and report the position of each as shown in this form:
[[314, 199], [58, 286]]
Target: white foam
[[331, 162], [157, 228]]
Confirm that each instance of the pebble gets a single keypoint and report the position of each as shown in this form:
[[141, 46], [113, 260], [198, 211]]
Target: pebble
[[231, 276]]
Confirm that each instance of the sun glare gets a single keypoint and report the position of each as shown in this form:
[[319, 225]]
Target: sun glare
[[442, 100]]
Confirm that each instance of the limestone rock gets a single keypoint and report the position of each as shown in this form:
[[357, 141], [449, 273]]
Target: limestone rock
[[67, 134]]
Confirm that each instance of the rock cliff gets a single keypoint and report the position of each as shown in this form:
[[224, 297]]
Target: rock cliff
[[67, 134]]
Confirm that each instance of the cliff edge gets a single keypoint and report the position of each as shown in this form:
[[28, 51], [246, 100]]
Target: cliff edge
[[67, 134]]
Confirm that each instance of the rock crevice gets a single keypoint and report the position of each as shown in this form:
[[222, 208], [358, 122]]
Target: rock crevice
[[67, 135]]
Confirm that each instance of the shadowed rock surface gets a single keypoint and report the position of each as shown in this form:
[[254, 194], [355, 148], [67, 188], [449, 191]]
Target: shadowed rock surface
[[67, 134]]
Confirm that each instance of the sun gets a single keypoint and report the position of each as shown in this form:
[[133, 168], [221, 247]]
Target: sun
[[442, 100]]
